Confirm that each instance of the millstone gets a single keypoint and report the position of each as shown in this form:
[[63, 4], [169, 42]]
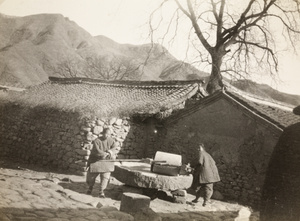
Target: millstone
[[138, 174]]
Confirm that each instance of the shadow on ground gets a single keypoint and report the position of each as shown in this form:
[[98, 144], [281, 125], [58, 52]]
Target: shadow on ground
[[106, 213], [19, 164], [115, 192], [109, 208]]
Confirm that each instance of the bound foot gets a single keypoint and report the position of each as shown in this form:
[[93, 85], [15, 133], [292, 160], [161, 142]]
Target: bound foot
[[195, 201]]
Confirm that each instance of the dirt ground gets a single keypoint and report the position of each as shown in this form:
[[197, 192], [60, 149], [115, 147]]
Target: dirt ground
[[31, 193]]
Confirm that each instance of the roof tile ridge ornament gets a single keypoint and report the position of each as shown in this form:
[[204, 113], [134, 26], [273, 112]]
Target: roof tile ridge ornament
[[178, 98], [224, 89], [201, 89], [127, 83]]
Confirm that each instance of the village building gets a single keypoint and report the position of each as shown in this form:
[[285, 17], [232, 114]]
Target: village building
[[54, 124]]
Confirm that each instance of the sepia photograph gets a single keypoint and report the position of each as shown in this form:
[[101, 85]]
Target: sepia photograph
[[150, 110]]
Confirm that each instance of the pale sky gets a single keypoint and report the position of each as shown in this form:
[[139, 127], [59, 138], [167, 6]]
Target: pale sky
[[124, 21]]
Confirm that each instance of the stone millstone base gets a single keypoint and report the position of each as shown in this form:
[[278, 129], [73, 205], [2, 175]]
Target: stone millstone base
[[179, 199], [138, 174], [133, 202]]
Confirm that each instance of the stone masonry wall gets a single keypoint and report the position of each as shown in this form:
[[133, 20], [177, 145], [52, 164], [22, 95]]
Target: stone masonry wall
[[128, 134], [38, 136], [61, 140], [240, 144]]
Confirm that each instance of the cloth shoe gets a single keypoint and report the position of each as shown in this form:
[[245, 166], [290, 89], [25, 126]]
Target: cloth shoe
[[101, 195], [205, 203], [89, 191], [195, 201]]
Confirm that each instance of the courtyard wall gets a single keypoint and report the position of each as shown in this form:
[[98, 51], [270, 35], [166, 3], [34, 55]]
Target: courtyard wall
[[240, 143], [62, 140]]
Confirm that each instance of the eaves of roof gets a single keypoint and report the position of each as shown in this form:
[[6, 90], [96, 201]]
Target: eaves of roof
[[276, 115], [121, 83], [110, 98], [273, 116]]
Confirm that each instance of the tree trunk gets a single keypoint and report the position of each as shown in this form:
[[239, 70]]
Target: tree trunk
[[215, 82]]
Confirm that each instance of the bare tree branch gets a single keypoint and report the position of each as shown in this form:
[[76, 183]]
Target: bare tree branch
[[244, 42], [115, 68]]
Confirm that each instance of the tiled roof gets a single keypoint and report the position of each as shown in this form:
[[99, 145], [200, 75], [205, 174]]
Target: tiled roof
[[280, 117], [109, 98], [274, 115]]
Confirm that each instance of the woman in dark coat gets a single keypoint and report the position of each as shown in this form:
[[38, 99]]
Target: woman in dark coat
[[206, 173]]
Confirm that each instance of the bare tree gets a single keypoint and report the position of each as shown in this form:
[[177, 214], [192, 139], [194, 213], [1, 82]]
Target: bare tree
[[70, 68], [115, 68], [7, 76], [232, 39], [101, 67], [65, 68]]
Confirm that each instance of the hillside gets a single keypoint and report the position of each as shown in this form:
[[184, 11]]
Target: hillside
[[32, 48], [266, 92], [37, 46]]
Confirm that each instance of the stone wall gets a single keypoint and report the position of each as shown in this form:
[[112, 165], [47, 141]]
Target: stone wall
[[40, 136], [126, 132], [240, 143], [62, 140]]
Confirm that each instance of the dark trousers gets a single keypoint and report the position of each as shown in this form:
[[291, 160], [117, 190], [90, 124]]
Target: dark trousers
[[208, 191]]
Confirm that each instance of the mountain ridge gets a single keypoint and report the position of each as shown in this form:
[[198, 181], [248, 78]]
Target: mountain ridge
[[33, 47], [31, 43]]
